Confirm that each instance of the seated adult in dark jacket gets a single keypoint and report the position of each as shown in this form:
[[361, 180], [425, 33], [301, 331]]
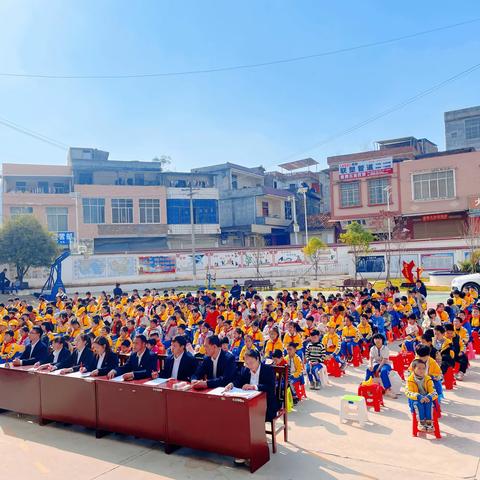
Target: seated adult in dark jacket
[[35, 352], [258, 376], [105, 359], [181, 365], [218, 366], [59, 358], [140, 364], [82, 356]]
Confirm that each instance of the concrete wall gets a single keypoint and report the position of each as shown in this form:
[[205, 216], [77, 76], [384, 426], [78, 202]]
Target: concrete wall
[[455, 128]]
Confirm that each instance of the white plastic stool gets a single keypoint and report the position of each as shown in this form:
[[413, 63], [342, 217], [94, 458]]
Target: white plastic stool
[[354, 408]]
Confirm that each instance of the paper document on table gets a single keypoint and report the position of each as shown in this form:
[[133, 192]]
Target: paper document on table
[[156, 381], [217, 391], [238, 392], [234, 392], [79, 374], [117, 379]]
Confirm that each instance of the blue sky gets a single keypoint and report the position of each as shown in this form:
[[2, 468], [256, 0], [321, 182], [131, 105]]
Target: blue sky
[[257, 116]]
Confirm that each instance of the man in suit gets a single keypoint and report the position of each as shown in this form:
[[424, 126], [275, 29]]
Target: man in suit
[[218, 366], [140, 364], [35, 352], [181, 365]]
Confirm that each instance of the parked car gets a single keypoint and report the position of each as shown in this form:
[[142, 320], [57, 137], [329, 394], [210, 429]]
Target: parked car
[[472, 280]]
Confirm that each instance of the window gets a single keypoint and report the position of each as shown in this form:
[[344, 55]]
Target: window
[[472, 128], [93, 210], [122, 210], [149, 210], [17, 211], [21, 186], [265, 209], [205, 211], [42, 187], [350, 194], [288, 210], [178, 211], [85, 178], [377, 195], [61, 188], [433, 185], [57, 219], [234, 182]]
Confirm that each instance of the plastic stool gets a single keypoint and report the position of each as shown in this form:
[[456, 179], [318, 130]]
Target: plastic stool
[[333, 368], [373, 395], [353, 408], [397, 362], [300, 389], [356, 357], [476, 342], [436, 425], [449, 379], [408, 358], [470, 351], [365, 350]]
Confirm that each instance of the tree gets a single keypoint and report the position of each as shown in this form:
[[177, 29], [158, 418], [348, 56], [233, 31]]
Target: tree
[[313, 251], [384, 222], [163, 160], [471, 234], [25, 243], [358, 238]]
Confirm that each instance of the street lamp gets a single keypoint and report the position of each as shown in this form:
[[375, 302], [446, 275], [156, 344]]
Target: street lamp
[[304, 191]]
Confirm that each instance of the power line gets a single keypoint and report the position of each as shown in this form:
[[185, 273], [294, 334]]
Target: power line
[[238, 67], [31, 133], [389, 110]]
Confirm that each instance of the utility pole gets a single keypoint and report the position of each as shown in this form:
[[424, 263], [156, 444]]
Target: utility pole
[[295, 224], [303, 190], [192, 226]]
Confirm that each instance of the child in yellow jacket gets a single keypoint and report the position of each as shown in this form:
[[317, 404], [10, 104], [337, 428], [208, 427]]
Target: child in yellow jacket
[[421, 394]]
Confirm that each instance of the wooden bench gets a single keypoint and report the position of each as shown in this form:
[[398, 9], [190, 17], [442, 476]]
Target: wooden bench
[[352, 283], [260, 284]]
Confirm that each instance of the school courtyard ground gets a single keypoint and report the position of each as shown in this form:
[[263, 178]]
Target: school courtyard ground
[[319, 447]]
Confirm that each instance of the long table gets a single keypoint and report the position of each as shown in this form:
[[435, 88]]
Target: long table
[[197, 419], [20, 390]]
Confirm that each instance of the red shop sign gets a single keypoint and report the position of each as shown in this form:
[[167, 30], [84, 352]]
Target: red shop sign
[[434, 218]]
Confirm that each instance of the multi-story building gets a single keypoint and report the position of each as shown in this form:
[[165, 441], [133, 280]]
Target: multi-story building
[[114, 206], [424, 193], [462, 128], [310, 187], [251, 213]]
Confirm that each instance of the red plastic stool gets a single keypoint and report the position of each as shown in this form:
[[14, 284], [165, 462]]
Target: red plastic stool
[[390, 337], [397, 362], [436, 426], [300, 390], [397, 334], [373, 395], [365, 350], [356, 357], [408, 358], [470, 351], [476, 342], [449, 379], [456, 368], [333, 368]]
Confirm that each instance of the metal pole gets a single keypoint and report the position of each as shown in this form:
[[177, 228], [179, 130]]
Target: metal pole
[[295, 224], [388, 217], [192, 225], [77, 233], [306, 221]]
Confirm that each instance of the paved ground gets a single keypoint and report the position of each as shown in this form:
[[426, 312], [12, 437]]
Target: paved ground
[[320, 447]]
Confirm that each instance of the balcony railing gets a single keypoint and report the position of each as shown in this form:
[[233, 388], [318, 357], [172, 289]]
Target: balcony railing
[[37, 190]]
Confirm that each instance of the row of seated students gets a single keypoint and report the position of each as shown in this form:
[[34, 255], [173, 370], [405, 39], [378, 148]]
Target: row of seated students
[[302, 333]]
